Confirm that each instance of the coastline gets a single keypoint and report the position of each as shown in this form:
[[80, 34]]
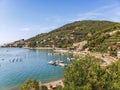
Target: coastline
[[49, 83], [57, 50], [52, 83], [61, 50], [37, 48]]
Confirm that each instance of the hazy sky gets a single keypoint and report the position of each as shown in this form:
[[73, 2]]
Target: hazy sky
[[26, 18]]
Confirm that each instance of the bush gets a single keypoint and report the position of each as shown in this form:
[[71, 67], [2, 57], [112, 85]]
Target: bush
[[30, 84], [59, 87], [87, 74], [43, 87]]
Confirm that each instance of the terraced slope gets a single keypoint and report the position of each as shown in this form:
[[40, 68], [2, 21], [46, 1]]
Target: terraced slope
[[68, 34]]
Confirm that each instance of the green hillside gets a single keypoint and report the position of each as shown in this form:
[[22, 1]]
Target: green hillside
[[68, 34], [105, 40]]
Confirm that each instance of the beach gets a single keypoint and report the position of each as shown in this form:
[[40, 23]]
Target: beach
[[53, 83]]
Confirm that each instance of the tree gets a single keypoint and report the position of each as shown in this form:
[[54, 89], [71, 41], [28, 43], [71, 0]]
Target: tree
[[43, 87], [87, 74], [58, 87], [30, 84], [32, 44]]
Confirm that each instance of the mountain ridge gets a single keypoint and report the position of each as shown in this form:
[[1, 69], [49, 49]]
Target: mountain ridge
[[94, 31]]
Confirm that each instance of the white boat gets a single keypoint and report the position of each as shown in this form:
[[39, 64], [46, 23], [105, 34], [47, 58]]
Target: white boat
[[51, 62], [59, 61], [62, 64], [70, 59]]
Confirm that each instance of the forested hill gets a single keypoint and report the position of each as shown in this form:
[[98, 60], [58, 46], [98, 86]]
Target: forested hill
[[68, 34], [100, 36]]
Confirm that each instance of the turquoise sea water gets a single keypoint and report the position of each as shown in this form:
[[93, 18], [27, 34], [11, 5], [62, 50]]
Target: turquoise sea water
[[19, 64]]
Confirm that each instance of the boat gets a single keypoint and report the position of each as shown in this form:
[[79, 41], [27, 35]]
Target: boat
[[17, 60], [13, 60], [59, 61], [71, 59], [51, 62], [62, 64], [68, 59], [20, 59]]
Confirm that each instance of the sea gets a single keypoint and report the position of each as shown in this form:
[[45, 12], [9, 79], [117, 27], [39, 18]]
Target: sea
[[20, 64]]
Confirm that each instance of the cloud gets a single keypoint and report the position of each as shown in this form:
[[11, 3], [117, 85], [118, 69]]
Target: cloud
[[37, 29], [55, 19], [110, 12], [48, 28], [25, 29], [42, 29], [89, 15]]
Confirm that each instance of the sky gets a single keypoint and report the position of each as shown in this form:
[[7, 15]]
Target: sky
[[26, 18]]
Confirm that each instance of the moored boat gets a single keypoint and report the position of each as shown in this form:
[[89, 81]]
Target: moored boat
[[51, 62], [57, 63]]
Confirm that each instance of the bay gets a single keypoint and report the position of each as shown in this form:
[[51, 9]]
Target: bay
[[19, 64]]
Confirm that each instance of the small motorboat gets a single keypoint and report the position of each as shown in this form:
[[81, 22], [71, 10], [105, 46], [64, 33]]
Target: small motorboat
[[59, 61], [51, 62], [71, 59], [62, 64]]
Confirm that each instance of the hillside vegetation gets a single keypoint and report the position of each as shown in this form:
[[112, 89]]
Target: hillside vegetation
[[87, 74], [97, 33], [106, 39], [100, 36]]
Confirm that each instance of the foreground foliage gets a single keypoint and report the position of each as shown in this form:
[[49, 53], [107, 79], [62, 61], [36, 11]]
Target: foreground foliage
[[87, 74], [34, 85], [29, 85]]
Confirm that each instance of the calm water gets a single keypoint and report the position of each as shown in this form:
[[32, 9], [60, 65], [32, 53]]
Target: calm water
[[18, 64]]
